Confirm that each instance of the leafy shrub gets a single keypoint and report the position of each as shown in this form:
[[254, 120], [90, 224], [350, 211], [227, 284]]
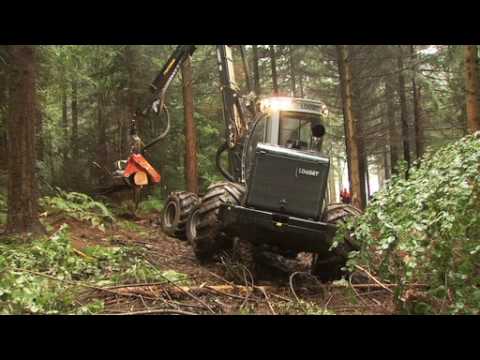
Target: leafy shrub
[[23, 291], [303, 308], [427, 230], [78, 206], [129, 226], [43, 277], [151, 205]]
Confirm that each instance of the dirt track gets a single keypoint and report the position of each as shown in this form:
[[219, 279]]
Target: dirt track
[[303, 295]]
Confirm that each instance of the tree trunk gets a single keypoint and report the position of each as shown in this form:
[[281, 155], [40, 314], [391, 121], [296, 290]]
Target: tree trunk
[[386, 166], [3, 89], [351, 128], [417, 110], [74, 146], [22, 214], [273, 59], [471, 82], [403, 110], [132, 88], [191, 175], [102, 148], [300, 83], [256, 72], [3, 129], [74, 140], [66, 147], [393, 137], [50, 156], [340, 177], [381, 171], [332, 191], [358, 99], [246, 69], [125, 121], [293, 82], [40, 144], [367, 180]]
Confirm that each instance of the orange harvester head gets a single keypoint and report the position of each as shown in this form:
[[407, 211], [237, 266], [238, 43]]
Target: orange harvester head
[[137, 163]]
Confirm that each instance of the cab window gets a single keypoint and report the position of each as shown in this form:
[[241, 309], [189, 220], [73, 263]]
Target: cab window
[[296, 131]]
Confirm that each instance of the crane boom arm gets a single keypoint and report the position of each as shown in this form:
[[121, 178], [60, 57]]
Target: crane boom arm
[[161, 83], [236, 111]]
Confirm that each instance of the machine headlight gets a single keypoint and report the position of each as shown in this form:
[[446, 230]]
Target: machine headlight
[[277, 103], [325, 112]]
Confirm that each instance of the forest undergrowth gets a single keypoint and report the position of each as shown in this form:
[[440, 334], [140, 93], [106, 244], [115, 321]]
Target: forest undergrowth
[[425, 230], [420, 239]]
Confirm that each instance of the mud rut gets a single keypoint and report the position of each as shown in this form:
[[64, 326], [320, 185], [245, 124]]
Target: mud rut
[[222, 287]]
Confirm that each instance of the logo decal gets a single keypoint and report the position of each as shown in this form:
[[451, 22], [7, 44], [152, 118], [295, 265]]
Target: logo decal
[[307, 172]]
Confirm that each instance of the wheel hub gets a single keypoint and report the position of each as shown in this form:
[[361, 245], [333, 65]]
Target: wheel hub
[[170, 214]]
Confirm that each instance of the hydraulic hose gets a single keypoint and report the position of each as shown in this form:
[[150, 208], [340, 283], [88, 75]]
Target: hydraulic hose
[[165, 133], [224, 172]]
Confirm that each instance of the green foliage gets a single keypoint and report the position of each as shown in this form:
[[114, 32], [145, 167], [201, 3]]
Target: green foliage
[[248, 309], [153, 204], [47, 275], [175, 277], [23, 291], [303, 308], [427, 230], [78, 206], [129, 226]]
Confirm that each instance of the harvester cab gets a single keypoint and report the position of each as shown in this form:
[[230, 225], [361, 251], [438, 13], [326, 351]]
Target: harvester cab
[[291, 123]]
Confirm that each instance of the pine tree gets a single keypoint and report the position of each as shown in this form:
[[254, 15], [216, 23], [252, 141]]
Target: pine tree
[[22, 181]]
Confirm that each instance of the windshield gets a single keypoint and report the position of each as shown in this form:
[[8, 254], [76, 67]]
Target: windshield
[[299, 130], [296, 130]]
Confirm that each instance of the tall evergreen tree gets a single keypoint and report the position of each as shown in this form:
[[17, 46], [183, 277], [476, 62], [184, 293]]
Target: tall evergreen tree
[[471, 74], [22, 180]]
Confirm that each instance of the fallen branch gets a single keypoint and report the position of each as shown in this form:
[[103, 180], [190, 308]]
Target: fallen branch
[[218, 277], [158, 283], [154, 312], [267, 299], [187, 290], [282, 298], [216, 291], [74, 283], [78, 252], [374, 279], [290, 281], [355, 291], [325, 307], [376, 286], [162, 289], [200, 301], [249, 291]]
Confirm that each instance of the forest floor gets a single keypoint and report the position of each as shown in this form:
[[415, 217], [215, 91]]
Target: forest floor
[[212, 289]]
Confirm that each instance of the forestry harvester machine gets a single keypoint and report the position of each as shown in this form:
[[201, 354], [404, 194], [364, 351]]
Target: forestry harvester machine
[[274, 197]]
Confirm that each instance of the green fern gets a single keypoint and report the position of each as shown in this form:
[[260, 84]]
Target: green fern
[[78, 206]]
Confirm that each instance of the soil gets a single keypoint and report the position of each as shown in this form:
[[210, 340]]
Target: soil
[[308, 295]]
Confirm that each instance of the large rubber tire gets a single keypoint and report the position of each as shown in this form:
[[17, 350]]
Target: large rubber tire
[[178, 208], [328, 267], [204, 230]]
